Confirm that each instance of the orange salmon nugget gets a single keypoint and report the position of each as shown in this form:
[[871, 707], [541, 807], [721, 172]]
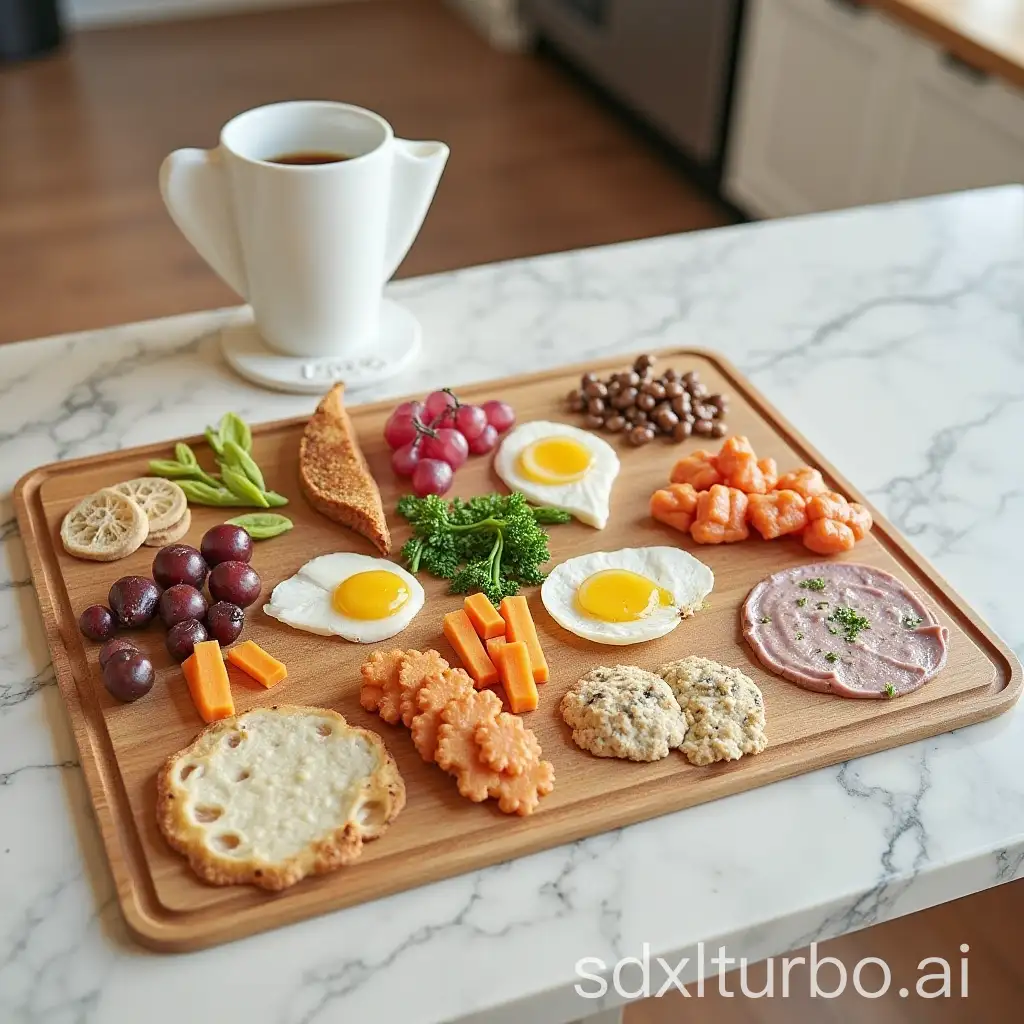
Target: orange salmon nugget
[[805, 481], [700, 470], [434, 695], [860, 520], [737, 463], [828, 505], [828, 536], [721, 516], [776, 514], [675, 505]]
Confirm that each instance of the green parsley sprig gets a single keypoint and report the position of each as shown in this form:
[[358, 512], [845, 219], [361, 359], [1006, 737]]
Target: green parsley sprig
[[849, 622], [492, 543]]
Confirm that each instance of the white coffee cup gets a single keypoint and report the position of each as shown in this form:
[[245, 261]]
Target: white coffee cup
[[309, 247]]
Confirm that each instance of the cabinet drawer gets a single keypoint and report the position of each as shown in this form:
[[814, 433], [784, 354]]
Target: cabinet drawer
[[815, 89], [957, 129]]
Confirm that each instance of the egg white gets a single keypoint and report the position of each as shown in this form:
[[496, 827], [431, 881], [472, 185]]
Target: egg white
[[305, 599], [588, 499], [686, 578]]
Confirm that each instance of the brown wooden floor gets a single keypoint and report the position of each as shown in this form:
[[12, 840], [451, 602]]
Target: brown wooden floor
[[536, 164], [988, 923]]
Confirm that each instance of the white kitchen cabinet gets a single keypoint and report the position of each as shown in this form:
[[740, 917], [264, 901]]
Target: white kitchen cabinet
[[838, 106], [816, 77], [951, 129]]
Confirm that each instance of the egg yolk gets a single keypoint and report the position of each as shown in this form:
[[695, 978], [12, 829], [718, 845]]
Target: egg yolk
[[375, 594], [555, 460], [618, 595]]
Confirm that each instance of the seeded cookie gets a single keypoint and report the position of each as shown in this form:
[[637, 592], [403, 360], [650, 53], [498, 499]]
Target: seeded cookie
[[624, 712], [724, 710]]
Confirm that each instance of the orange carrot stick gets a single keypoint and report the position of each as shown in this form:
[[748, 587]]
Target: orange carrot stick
[[519, 625], [469, 648], [517, 677], [255, 662], [208, 683], [494, 646], [484, 616]]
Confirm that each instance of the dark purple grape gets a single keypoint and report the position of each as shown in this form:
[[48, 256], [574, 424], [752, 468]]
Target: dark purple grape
[[134, 600], [179, 563], [128, 675], [115, 646], [226, 543], [182, 638], [224, 622], [181, 602], [236, 582], [97, 623]]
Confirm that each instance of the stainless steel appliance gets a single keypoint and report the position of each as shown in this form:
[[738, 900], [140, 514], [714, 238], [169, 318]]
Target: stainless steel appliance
[[669, 61]]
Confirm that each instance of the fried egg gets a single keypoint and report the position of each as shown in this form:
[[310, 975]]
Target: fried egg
[[560, 465], [628, 596], [357, 597]]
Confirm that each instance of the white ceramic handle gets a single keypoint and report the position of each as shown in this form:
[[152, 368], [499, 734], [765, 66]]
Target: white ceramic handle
[[417, 170], [193, 184]]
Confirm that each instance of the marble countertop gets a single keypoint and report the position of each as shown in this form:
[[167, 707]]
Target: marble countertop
[[893, 337]]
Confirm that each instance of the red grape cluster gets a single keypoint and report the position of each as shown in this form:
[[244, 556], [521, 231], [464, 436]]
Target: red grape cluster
[[175, 594], [431, 439]]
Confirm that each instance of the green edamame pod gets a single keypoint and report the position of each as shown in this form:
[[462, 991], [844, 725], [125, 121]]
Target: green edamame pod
[[242, 487], [275, 500], [185, 455], [234, 428], [199, 493], [239, 459], [213, 440], [263, 525]]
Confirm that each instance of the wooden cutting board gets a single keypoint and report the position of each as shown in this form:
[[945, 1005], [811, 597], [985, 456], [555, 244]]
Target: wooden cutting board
[[440, 834]]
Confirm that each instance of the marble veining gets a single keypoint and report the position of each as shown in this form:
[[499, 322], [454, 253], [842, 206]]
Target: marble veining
[[893, 337]]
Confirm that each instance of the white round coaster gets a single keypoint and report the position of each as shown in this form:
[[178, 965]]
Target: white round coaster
[[396, 345]]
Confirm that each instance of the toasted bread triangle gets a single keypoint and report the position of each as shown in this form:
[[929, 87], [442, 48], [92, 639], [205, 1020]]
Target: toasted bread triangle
[[334, 475]]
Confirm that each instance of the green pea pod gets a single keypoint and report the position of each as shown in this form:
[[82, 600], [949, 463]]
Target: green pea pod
[[239, 459], [199, 493], [185, 455], [263, 525], [242, 487], [213, 440], [234, 428], [275, 500], [176, 471]]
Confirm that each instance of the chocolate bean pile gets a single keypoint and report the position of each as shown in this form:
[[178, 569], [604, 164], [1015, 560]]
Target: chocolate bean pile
[[643, 404]]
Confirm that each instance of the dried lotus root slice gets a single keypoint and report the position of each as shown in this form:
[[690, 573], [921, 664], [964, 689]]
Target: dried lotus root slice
[[172, 534], [163, 501], [434, 695], [378, 692], [520, 794], [104, 527], [458, 752], [506, 745], [416, 668]]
